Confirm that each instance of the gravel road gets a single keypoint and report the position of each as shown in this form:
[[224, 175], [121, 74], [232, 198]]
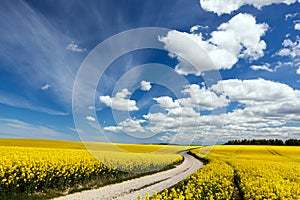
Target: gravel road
[[129, 190]]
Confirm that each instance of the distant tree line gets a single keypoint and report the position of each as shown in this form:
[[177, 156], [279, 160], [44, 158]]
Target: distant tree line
[[289, 142]]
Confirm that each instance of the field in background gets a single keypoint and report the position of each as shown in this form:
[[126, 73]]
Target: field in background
[[242, 172], [42, 166], [60, 144]]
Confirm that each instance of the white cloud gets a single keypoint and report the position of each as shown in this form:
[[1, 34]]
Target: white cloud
[[38, 43], [265, 107], [167, 102], [263, 98], [128, 126], [175, 115], [246, 31], [179, 138], [182, 119], [75, 48], [202, 98], [291, 49], [287, 16], [199, 98], [183, 112], [21, 102], [265, 67], [11, 128], [184, 47], [285, 52], [298, 71], [120, 101], [145, 86], [258, 90], [226, 7], [46, 86], [91, 118], [160, 121], [297, 26], [196, 28], [179, 115], [240, 37]]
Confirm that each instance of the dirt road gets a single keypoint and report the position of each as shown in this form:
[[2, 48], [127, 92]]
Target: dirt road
[[129, 190]]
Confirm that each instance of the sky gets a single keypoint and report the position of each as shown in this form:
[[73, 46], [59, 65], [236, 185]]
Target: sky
[[172, 71]]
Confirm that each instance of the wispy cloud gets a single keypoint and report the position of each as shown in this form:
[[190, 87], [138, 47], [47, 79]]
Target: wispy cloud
[[17, 101], [19, 129], [41, 51]]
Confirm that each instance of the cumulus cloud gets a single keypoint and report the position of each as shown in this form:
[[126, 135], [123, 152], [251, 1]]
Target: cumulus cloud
[[176, 115], [181, 119], [197, 28], [258, 90], [198, 98], [297, 26], [120, 101], [265, 67], [75, 48], [179, 138], [226, 7], [181, 115], [240, 37], [167, 102], [129, 126], [91, 118], [145, 86], [46, 86], [265, 108], [298, 71], [291, 48], [202, 98], [267, 99]]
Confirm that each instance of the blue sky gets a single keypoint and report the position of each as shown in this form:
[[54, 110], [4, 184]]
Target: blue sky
[[222, 70]]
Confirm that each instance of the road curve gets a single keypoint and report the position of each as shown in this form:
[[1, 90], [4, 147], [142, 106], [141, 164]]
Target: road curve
[[130, 189]]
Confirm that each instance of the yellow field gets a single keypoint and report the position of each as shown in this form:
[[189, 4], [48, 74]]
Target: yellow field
[[59, 144], [257, 172], [36, 165]]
